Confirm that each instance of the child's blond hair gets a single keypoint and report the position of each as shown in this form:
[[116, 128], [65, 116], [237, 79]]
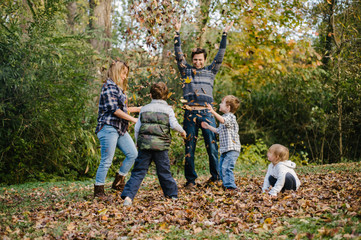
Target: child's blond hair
[[115, 69], [233, 102], [281, 152]]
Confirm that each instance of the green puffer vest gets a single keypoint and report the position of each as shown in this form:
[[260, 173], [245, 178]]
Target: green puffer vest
[[154, 133]]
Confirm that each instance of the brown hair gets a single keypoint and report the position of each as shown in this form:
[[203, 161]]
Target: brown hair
[[233, 102], [115, 69], [159, 90], [280, 151], [199, 51]]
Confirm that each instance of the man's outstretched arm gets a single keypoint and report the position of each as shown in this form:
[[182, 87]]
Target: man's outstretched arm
[[179, 56], [217, 62]]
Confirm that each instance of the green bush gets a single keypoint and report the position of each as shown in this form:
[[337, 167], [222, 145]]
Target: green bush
[[46, 101], [253, 156]]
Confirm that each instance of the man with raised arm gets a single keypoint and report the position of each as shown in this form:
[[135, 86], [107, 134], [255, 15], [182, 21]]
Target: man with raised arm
[[198, 82]]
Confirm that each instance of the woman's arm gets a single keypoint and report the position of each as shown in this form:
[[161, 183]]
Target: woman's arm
[[134, 109], [120, 114]]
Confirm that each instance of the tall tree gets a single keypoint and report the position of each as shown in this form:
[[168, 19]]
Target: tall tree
[[100, 24]]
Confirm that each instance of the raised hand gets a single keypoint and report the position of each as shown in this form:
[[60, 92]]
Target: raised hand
[[177, 24], [226, 28]]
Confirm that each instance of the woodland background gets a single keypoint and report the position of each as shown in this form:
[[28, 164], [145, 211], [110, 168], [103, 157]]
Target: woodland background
[[294, 64]]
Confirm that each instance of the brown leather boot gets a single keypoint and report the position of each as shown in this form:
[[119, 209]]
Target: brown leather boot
[[99, 191], [119, 182]]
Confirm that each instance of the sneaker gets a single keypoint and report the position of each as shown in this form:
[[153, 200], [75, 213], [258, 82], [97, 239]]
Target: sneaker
[[189, 186], [127, 201], [210, 182], [172, 198], [232, 190]]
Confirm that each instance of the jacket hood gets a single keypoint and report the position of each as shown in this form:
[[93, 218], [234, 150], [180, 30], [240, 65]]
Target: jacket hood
[[288, 163]]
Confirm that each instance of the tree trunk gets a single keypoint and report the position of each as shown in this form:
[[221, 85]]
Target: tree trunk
[[339, 108], [329, 37], [25, 17], [100, 23], [72, 8]]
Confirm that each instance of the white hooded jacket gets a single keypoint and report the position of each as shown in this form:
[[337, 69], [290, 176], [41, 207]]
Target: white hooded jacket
[[279, 172]]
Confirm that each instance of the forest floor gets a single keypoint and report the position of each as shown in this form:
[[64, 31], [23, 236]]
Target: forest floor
[[327, 206]]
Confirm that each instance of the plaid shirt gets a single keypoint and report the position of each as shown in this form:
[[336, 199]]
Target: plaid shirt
[[228, 134], [111, 99]]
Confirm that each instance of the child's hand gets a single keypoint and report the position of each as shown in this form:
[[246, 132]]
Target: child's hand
[[184, 134], [209, 107], [205, 125]]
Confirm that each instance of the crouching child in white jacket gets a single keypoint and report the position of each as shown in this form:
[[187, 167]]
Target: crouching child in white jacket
[[280, 174]]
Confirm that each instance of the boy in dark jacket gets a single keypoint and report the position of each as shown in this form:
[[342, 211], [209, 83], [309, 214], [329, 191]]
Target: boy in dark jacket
[[152, 133]]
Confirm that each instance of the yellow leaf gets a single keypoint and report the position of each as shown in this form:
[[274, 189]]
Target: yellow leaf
[[102, 211], [268, 220], [188, 80], [134, 97], [286, 197], [163, 226]]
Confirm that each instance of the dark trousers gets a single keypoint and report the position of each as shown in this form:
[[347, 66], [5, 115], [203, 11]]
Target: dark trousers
[[140, 169], [290, 182], [192, 124]]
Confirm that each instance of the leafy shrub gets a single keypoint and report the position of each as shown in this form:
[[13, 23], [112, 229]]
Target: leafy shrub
[[253, 156], [46, 101]]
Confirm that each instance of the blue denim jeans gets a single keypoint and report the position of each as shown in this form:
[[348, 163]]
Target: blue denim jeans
[[227, 162], [141, 166], [110, 139], [191, 124]]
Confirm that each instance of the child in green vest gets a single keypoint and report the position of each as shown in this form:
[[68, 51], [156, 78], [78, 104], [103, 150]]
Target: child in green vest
[[152, 132]]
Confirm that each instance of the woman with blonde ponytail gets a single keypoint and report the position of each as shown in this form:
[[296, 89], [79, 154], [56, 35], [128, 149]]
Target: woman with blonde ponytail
[[113, 121]]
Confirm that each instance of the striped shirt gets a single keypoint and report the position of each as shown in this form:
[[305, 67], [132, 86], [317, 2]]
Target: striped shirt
[[111, 99], [198, 83], [228, 134]]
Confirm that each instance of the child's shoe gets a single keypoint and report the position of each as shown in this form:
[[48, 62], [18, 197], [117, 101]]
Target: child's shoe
[[190, 186], [212, 183], [232, 191], [172, 197], [127, 201]]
